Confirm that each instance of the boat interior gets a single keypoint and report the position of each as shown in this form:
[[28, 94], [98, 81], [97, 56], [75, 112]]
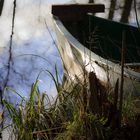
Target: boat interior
[[104, 37]]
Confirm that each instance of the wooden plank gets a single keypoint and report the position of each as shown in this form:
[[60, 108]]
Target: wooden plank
[[75, 12]]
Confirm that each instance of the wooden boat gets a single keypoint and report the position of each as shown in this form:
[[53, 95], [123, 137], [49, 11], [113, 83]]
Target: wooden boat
[[90, 43]]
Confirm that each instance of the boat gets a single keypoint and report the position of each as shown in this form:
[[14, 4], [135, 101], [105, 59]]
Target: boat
[[89, 43]]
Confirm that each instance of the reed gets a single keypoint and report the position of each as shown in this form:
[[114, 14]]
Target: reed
[[81, 111]]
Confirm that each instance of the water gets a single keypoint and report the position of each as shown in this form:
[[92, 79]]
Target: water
[[33, 49]]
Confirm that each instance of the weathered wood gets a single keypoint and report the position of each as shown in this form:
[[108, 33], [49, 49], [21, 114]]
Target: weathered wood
[[75, 12]]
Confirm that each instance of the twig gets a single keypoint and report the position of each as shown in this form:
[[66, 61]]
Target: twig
[[9, 60], [122, 75], [10, 46]]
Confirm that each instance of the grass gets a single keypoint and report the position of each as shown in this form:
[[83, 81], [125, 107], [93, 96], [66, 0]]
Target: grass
[[82, 111]]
